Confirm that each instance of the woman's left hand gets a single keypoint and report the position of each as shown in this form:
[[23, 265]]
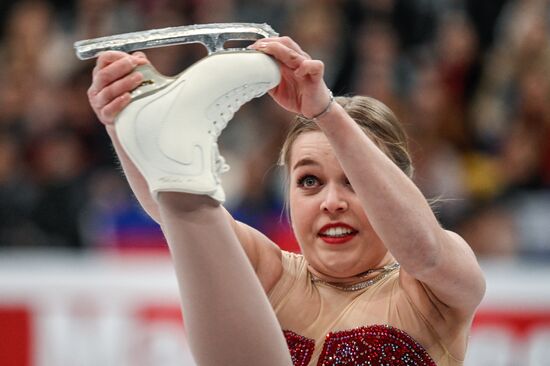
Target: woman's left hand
[[302, 89]]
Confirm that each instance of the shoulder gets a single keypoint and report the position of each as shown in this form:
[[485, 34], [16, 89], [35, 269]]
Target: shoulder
[[293, 265], [264, 255], [293, 261], [294, 272]]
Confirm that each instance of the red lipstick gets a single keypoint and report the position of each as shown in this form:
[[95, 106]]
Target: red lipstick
[[337, 233]]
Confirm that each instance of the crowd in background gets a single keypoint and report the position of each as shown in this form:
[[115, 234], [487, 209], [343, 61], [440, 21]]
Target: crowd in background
[[469, 79]]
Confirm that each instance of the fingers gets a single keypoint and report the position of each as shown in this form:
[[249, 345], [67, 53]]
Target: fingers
[[116, 89], [286, 51], [108, 57], [314, 69], [112, 81], [302, 88], [288, 56], [109, 112], [288, 42], [113, 65], [140, 54], [108, 73]]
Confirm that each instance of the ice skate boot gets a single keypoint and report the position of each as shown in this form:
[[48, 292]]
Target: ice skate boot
[[171, 127], [171, 134]]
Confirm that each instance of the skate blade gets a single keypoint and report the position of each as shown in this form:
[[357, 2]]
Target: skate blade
[[213, 36]]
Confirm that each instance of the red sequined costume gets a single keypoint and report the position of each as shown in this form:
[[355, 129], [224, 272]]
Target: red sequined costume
[[327, 326]]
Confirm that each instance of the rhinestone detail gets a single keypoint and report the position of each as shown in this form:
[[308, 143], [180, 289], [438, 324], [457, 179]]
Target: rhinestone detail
[[300, 347], [374, 345], [385, 272]]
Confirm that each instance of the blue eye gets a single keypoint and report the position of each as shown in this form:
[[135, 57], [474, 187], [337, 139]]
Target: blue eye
[[308, 181]]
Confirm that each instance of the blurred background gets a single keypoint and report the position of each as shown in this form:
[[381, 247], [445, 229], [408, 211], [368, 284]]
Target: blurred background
[[84, 274]]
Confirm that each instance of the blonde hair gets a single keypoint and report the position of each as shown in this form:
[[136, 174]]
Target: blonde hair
[[375, 119]]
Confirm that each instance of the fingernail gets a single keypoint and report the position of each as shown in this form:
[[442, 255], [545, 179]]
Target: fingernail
[[138, 60], [137, 76]]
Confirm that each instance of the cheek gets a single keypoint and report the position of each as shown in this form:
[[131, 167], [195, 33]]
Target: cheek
[[301, 215]]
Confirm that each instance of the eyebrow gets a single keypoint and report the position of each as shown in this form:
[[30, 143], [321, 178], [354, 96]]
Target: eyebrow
[[304, 162]]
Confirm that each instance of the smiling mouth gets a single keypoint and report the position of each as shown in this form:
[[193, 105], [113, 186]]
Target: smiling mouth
[[337, 234]]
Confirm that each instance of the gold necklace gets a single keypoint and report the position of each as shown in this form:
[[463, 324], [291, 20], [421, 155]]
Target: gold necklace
[[385, 272]]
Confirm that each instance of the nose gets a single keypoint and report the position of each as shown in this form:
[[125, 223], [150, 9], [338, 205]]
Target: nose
[[334, 200]]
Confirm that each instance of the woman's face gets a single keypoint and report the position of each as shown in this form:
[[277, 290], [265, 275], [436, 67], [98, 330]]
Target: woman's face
[[328, 220]]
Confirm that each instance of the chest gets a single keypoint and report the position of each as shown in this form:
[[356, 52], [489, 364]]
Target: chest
[[376, 327], [372, 345]]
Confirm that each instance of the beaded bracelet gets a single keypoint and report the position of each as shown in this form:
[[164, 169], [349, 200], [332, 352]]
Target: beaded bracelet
[[324, 111]]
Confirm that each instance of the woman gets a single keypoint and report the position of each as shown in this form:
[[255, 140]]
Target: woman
[[379, 281]]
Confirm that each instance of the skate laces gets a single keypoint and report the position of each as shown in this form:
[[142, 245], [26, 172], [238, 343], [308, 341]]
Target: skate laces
[[220, 166], [222, 111]]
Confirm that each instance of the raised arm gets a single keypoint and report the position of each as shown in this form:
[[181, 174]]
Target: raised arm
[[403, 219], [396, 208]]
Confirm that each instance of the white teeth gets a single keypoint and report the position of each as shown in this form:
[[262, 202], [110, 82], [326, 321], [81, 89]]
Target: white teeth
[[337, 231]]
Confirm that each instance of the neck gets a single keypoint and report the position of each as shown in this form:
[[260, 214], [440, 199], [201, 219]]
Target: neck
[[366, 274]]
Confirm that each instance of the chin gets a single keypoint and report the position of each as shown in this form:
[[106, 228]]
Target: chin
[[338, 268]]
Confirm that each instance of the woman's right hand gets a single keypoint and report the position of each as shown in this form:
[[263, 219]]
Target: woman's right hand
[[113, 80]]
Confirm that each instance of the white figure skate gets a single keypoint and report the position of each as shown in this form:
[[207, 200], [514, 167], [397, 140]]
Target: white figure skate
[[171, 127]]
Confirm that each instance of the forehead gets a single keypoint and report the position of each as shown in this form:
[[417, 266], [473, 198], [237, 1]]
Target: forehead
[[311, 145]]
